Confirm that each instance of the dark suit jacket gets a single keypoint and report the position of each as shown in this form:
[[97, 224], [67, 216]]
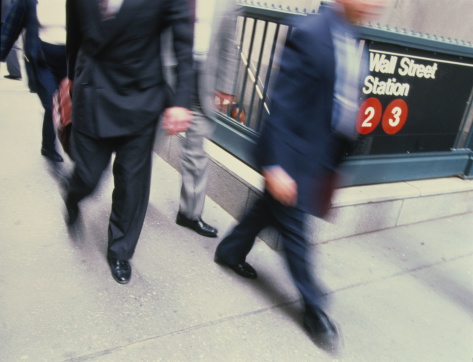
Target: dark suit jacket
[[298, 135], [4, 8], [116, 64]]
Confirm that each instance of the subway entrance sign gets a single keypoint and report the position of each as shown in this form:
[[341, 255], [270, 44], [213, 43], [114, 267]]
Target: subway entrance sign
[[412, 100]]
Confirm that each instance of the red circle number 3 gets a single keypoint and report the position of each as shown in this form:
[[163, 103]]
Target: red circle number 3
[[394, 116], [369, 115], [371, 110]]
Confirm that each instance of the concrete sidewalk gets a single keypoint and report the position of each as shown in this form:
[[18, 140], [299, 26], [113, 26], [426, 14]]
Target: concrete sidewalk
[[403, 294]]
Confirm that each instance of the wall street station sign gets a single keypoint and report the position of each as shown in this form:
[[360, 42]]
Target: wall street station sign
[[413, 100]]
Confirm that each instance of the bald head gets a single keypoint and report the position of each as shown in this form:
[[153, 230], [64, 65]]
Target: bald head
[[361, 10]]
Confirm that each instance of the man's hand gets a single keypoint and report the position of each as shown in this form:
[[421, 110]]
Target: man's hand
[[62, 104], [223, 101], [176, 119], [68, 85], [280, 185]]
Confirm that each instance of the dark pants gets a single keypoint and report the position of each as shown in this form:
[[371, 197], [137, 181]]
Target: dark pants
[[48, 77], [290, 222], [13, 64], [132, 176], [30, 74]]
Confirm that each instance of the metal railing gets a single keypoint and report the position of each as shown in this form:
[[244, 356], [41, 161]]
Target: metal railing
[[261, 41], [261, 35]]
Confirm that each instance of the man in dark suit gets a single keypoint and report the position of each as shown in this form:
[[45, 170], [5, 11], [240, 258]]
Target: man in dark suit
[[118, 94], [314, 104]]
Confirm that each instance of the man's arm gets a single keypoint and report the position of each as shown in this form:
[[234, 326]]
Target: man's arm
[[12, 27], [178, 18], [227, 57], [178, 117], [277, 137], [228, 51], [280, 130], [74, 37]]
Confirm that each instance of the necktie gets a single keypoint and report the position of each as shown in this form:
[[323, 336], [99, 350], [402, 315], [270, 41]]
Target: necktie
[[347, 59], [192, 14]]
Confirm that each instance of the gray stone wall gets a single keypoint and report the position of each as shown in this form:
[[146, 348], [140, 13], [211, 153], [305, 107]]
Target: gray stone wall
[[451, 20]]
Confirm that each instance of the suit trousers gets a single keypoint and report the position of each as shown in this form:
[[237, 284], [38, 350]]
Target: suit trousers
[[194, 162], [13, 64], [132, 177], [30, 74], [48, 77], [194, 167], [290, 222]]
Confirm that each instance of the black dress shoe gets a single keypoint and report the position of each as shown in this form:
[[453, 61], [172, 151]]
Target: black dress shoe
[[52, 155], [244, 269], [121, 270], [8, 76], [199, 226], [321, 330], [72, 209]]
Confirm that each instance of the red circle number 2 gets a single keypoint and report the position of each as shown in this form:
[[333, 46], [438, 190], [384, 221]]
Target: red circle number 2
[[369, 115], [371, 110]]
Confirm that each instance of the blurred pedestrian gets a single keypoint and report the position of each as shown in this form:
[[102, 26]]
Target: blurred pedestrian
[[215, 61], [44, 46], [13, 64], [314, 105], [118, 95]]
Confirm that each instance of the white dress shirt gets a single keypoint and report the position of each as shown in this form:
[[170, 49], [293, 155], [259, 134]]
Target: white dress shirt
[[205, 10], [52, 21], [113, 7]]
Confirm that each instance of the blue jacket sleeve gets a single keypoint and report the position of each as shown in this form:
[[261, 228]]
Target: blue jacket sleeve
[[283, 129], [12, 27]]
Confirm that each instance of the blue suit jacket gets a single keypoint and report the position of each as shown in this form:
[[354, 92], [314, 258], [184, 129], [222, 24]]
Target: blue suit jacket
[[298, 135]]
